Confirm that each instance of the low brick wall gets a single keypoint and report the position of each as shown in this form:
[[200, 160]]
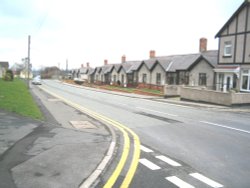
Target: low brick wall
[[215, 97], [241, 98], [172, 90], [150, 86]]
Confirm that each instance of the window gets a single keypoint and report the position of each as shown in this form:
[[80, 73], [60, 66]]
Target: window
[[144, 78], [114, 78], [122, 78], [171, 78], [228, 49], [158, 78], [202, 79], [245, 80], [183, 78]]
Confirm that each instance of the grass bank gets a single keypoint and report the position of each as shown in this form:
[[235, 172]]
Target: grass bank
[[15, 97]]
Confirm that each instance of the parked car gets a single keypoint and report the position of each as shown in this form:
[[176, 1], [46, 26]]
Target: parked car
[[36, 81]]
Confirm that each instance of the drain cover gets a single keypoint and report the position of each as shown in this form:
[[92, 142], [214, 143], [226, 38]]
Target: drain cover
[[82, 125]]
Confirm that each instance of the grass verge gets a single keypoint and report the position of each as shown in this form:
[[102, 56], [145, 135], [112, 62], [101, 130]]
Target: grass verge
[[15, 97]]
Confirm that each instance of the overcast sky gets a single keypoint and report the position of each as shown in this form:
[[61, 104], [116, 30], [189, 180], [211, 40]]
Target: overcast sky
[[93, 30]]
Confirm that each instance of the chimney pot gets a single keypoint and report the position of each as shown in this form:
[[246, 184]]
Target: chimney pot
[[105, 62], [203, 44], [82, 65], [152, 54], [123, 59], [88, 65]]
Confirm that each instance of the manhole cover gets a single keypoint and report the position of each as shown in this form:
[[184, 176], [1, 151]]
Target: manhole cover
[[82, 125], [53, 99]]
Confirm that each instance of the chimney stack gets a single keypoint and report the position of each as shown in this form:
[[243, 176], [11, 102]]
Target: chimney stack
[[203, 45], [88, 65], [151, 54], [82, 65], [123, 59], [105, 62]]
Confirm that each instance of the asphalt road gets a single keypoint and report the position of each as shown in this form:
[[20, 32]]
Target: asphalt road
[[189, 147]]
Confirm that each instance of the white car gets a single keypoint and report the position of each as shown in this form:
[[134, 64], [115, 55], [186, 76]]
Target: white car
[[36, 81]]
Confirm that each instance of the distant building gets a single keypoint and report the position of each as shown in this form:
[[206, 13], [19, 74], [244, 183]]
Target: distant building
[[4, 65]]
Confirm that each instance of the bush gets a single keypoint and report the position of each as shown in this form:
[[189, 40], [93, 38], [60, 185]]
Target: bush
[[9, 75]]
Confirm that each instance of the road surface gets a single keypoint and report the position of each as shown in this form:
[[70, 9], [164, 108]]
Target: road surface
[[182, 146]]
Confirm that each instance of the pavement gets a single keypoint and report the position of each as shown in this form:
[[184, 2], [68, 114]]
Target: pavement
[[61, 151]]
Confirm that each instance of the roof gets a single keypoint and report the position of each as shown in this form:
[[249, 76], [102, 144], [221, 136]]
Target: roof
[[243, 5], [4, 64], [84, 70], [130, 66], [173, 63], [91, 71], [211, 56]]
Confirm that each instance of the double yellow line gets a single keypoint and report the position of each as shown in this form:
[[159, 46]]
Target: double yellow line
[[126, 147]]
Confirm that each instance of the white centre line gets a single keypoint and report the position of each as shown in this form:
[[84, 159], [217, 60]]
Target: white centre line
[[206, 180], [145, 149], [157, 111], [226, 127], [149, 164], [168, 160], [178, 182]]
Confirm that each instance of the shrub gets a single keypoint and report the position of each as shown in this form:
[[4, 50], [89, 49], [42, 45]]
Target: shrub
[[9, 75]]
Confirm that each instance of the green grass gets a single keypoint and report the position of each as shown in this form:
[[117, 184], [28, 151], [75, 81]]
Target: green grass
[[152, 91], [15, 97], [127, 89]]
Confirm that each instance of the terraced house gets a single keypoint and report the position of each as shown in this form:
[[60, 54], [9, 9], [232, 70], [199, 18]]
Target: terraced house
[[188, 69], [155, 72], [233, 70]]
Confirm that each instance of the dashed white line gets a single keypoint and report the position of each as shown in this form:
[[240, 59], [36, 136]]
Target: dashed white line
[[206, 180], [168, 160], [145, 149], [149, 164], [178, 182], [157, 111], [226, 127]]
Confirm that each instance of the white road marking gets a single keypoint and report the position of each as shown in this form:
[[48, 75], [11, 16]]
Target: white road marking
[[226, 127], [178, 182], [149, 164], [168, 160], [145, 149], [157, 111], [206, 180]]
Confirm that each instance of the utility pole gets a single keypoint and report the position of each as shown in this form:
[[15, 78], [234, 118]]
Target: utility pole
[[28, 61]]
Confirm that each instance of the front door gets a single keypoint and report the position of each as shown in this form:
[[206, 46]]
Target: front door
[[228, 83]]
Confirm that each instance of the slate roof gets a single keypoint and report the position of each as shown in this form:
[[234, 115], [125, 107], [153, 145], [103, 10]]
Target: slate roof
[[130, 66], [173, 63], [211, 56], [83, 70]]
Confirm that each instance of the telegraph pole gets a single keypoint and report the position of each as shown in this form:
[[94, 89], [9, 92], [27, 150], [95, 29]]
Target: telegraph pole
[[28, 61]]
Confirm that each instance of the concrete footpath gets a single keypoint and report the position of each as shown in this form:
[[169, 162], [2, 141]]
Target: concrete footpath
[[62, 151]]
